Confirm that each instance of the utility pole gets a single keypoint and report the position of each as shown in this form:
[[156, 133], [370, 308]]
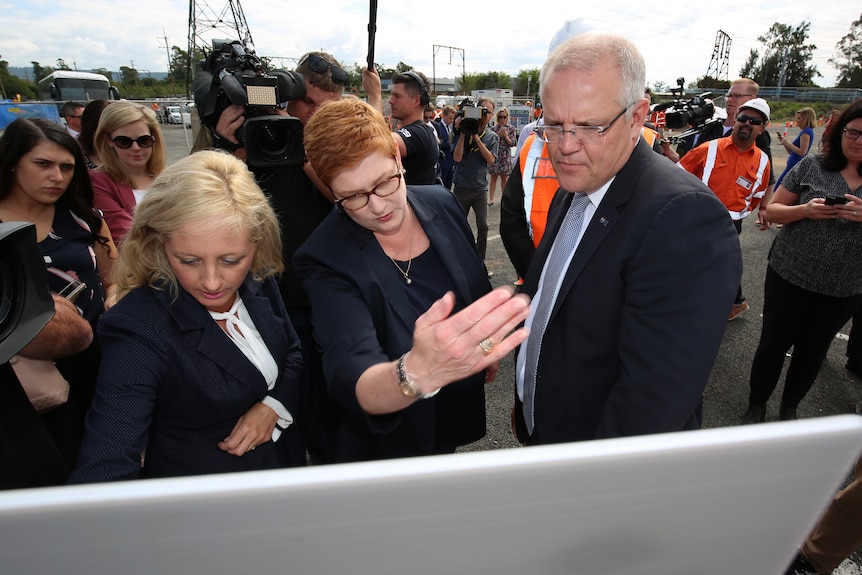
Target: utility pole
[[164, 37]]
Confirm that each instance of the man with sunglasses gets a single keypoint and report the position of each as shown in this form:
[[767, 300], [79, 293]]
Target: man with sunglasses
[[736, 170], [741, 91], [301, 202]]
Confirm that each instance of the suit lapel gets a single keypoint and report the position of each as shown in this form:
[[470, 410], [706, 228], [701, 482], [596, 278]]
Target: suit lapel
[[214, 343], [606, 218]]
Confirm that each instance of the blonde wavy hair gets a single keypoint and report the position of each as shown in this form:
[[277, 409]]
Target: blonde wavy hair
[[809, 117], [208, 185], [114, 117], [343, 133]]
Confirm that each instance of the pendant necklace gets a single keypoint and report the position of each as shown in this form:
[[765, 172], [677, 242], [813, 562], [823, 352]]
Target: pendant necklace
[[406, 274]]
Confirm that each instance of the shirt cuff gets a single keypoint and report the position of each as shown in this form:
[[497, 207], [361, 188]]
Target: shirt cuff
[[285, 419]]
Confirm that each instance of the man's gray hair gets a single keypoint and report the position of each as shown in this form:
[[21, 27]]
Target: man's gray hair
[[587, 51]]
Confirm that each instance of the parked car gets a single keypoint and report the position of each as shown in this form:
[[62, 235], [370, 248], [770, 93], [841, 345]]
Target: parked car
[[179, 115]]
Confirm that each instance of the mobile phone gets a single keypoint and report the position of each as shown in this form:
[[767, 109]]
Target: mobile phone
[[834, 200], [73, 290]]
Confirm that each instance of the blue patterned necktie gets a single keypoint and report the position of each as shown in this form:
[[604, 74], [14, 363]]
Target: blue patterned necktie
[[564, 245]]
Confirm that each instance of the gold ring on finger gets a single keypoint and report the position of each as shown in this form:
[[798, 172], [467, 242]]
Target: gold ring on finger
[[486, 345]]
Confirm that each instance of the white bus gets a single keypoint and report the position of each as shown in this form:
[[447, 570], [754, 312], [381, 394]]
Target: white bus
[[63, 85]]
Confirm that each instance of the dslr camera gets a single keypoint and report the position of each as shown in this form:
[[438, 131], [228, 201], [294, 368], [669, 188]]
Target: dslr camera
[[233, 74], [470, 115]]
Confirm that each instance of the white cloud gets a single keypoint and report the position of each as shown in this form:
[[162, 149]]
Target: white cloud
[[676, 40]]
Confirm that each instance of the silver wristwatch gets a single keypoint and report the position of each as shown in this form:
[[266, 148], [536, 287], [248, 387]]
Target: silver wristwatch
[[406, 384]]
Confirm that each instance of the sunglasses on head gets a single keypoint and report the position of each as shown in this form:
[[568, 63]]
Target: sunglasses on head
[[320, 65], [742, 118], [125, 142]]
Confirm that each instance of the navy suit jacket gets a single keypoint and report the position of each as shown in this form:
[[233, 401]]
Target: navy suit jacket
[[173, 383], [447, 163], [641, 311], [362, 316]]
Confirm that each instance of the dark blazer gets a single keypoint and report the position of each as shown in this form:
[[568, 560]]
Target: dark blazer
[[362, 316], [642, 309], [447, 162], [173, 383]]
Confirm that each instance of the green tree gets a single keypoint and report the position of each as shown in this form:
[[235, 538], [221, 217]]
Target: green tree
[[130, 75], [40, 71], [848, 57], [527, 82], [61, 64], [13, 85], [105, 72], [784, 46], [179, 65], [748, 69]]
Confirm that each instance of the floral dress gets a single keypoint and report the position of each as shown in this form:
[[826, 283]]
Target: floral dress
[[503, 164]]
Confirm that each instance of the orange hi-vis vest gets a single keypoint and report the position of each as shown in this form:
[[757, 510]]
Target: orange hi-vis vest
[[539, 181]]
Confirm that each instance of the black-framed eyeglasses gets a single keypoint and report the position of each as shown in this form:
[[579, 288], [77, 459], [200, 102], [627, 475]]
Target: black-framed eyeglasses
[[851, 134], [385, 188], [743, 118], [73, 116], [125, 142], [320, 65], [582, 134]]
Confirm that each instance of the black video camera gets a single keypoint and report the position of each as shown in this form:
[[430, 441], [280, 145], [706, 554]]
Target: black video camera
[[233, 74], [470, 115], [691, 115]]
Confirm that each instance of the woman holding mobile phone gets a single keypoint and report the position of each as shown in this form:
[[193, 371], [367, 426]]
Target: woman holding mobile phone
[[814, 277], [799, 148]]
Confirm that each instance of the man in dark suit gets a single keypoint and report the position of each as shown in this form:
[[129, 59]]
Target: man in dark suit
[[636, 272], [444, 125]]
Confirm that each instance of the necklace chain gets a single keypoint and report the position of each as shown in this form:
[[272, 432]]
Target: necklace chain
[[406, 273]]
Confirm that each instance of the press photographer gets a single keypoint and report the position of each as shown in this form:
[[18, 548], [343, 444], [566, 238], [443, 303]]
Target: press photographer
[[475, 148], [469, 116], [232, 75]]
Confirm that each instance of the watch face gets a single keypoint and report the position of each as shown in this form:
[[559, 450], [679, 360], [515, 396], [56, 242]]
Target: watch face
[[408, 389]]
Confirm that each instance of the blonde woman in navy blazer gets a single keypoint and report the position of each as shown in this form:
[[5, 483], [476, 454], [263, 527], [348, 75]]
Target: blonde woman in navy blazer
[[401, 305], [201, 365]]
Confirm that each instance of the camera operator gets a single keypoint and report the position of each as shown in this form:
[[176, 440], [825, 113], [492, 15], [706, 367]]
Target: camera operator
[[741, 91], [475, 149], [301, 202], [417, 142]]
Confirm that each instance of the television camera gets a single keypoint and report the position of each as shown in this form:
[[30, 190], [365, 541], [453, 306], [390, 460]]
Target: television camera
[[470, 115], [692, 115], [233, 74]]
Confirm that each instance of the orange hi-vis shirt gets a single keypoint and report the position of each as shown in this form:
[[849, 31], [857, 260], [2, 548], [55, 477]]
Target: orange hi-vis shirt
[[539, 181], [739, 179]]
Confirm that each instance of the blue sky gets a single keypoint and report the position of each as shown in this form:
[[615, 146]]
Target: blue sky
[[676, 39]]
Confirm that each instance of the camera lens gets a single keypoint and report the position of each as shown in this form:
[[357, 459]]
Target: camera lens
[[274, 141]]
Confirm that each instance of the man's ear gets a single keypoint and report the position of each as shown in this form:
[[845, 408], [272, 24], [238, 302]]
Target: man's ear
[[640, 112]]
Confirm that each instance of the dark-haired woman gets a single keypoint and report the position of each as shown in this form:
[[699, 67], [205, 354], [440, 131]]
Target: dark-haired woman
[[814, 278], [44, 180], [89, 124]]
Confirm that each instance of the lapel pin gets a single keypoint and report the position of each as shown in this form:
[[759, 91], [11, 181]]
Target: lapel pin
[[604, 221]]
